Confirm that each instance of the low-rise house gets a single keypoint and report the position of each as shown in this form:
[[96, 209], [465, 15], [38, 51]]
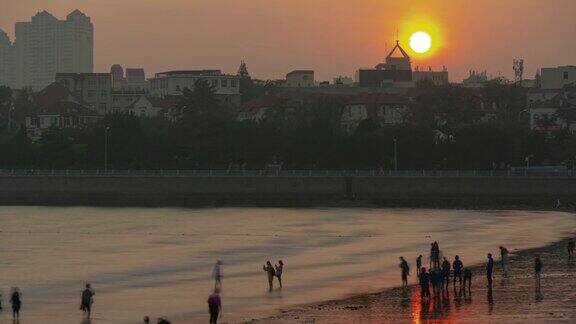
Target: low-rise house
[[382, 108], [57, 107], [146, 106]]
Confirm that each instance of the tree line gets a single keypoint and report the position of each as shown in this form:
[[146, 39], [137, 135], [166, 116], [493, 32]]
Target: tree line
[[446, 130]]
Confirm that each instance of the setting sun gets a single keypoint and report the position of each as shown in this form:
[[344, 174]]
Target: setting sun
[[420, 42]]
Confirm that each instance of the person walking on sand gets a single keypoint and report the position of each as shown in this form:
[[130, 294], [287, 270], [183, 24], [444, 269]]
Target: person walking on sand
[[504, 260], [215, 306], [537, 270], [571, 247], [218, 274], [489, 269], [418, 264], [457, 267], [445, 273], [424, 281], [87, 300], [16, 301], [405, 269], [279, 270], [269, 269]]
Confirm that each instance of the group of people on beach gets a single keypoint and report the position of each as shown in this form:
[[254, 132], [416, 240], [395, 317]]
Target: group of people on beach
[[215, 301], [439, 273]]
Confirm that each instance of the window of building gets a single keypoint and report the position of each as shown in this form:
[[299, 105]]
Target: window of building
[[91, 82], [233, 83], [224, 83], [104, 94], [214, 82], [103, 107], [566, 76], [103, 82], [91, 93]]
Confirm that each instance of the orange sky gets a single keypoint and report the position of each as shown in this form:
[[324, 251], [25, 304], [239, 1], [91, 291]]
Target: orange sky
[[333, 37]]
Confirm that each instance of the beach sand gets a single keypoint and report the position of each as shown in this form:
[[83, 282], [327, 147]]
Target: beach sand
[[513, 299]]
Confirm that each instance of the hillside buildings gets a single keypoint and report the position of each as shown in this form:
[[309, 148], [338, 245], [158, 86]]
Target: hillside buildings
[[46, 46]]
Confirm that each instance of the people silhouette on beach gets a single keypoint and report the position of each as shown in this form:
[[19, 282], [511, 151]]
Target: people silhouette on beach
[[418, 264], [504, 260], [16, 301], [457, 267], [435, 255], [467, 279], [489, 269], [279, 270], [405, 270], [271, 272], [215, 306], [537, 270], [571, 247], [424, 281], [218, 274], [445, 273], [436, 280], [86, 300]]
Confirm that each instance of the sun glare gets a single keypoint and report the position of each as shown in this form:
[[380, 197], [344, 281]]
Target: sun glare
[[420, 42]]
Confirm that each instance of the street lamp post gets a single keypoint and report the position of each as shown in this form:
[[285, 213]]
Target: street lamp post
[[395, 155], [106, 129]]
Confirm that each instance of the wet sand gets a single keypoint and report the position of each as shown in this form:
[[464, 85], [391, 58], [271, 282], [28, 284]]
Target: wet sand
[[513, 299]]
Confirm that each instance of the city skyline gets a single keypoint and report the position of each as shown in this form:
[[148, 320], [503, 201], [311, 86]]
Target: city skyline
[[315, 35]]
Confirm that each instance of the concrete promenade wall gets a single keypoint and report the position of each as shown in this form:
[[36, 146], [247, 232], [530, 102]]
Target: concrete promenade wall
[[281, 191]]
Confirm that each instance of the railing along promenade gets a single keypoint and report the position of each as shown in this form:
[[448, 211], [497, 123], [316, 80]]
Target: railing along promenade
[[284, 173]]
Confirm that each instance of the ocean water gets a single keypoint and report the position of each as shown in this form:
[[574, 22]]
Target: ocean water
[[158, 262]]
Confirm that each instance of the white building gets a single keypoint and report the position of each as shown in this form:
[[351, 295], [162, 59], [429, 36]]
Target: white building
[[95, 89], [300, 79], [45, 46], [173, 83], [6, 61], [558, 77], [382, 108]]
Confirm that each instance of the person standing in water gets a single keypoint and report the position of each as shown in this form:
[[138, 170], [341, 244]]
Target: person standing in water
[[489, 269], [405, 269], [215, 306], [418, 264], [571, 247], [537, 270], [87, 300], [445, 273], [16, 301], [457, 267], [217, 274], [279, 269], [269, 269], [504, 260]]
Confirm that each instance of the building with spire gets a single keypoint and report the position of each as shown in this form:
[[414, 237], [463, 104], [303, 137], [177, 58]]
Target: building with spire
[[46, 45], [396, 71]]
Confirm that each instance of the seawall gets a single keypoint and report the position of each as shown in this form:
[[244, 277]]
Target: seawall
[[468, 192]]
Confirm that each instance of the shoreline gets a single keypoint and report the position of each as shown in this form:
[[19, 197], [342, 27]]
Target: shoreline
[[552, 303]]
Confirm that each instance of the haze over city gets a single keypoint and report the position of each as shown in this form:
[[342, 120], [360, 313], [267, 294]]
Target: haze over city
[[329, 36]]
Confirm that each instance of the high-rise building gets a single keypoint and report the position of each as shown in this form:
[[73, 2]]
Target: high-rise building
[[6, 60], [46, 46]]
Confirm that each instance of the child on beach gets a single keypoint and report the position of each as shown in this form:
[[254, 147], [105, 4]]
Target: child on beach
[[269, 269]]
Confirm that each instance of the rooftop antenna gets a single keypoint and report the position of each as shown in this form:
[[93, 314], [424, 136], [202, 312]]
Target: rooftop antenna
[[518, 66]]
